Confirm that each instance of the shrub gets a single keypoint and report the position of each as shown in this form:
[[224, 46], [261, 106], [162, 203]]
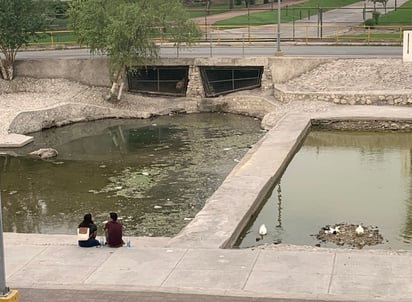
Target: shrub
[[370, 22], [375, 16]]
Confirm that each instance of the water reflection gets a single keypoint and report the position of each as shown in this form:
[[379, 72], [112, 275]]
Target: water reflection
[[156, 174], [342, 177], [407, 171]]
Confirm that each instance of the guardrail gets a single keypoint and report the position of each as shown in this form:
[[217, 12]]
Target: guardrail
[[340, 33], [308, 32]]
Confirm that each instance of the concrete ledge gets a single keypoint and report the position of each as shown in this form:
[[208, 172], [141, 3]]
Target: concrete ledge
[[14, 140], [347, 97], [59, 115]]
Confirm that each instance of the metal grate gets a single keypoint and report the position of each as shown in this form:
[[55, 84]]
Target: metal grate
[[161, 80], [223, 80]]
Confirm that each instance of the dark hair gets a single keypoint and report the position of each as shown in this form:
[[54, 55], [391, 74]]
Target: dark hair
[[113, 216], [87, 220]]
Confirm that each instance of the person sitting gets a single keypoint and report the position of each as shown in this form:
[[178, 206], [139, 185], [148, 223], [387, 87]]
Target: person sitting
[[114, 231], [87, 232]]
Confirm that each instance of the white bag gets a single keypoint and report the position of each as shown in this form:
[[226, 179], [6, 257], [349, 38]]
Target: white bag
[[83, 233]]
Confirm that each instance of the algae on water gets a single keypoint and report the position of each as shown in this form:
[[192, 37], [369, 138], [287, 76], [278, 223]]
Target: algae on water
[[132, 183]]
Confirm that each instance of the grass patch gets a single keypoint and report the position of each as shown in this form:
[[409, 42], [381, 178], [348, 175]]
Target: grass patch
[[401, 16], [201, 10], [373, 36]]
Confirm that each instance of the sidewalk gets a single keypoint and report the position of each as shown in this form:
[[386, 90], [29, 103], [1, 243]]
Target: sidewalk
[[283, 273], [174, 269]]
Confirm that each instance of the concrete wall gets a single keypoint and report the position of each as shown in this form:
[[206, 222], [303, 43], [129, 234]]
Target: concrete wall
[[89, 71], [95, 71], [284, 69]]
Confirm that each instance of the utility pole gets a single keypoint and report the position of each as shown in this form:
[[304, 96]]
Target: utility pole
[[278, 52]]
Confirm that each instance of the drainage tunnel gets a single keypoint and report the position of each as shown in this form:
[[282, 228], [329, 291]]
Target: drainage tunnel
[[223, 80], [159, 80]]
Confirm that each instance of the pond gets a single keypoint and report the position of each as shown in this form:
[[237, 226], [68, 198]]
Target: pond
[[341, 177], [156, 174]]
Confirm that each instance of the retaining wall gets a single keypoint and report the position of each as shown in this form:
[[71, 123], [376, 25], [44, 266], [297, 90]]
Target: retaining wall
[[94, 71], [348, 97]]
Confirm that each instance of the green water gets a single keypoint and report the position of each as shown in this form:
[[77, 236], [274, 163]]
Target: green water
[[156, 174], [341, 177]]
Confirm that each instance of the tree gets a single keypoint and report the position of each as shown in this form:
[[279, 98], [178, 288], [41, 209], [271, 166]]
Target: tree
[[125, 31], [383, 2], [19, 21]]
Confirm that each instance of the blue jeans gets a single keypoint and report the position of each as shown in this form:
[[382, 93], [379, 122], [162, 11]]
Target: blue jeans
[[89, 243]]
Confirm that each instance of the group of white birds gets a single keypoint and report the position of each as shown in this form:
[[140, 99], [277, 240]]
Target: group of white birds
[[335, 230]]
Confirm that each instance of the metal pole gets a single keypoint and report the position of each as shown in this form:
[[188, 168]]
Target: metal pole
[[243, 45], [248, 22], [4, 290], [278, 51]]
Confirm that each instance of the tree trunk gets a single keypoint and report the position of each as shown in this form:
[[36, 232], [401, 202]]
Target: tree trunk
[[119, 95], [113, 89], [115, 92], [6, 70], [3, 72], [7, 64]]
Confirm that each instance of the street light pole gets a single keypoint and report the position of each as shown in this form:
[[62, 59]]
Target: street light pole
[[3, 288], [5, 292], [278, 51]]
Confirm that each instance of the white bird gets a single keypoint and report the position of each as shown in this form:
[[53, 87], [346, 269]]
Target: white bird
[[337, 229], [332, 230], [263, 230], [359, 230]]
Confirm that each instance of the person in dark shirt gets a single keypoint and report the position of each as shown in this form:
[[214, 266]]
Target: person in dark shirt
[[88, 223], [114, 231]]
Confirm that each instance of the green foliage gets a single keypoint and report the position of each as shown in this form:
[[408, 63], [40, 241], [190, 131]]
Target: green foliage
[[370, 22], [238, 2], [125, 29], [56, 13], [375, 16], [19, 20], [56, 8]]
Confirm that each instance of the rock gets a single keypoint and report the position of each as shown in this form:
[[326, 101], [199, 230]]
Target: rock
[[45, 153]]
